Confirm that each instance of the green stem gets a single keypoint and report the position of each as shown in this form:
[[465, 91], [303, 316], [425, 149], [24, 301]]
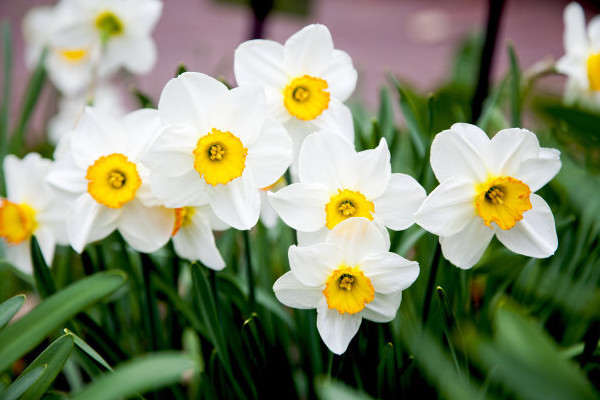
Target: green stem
[[251, 291], [435, 263]]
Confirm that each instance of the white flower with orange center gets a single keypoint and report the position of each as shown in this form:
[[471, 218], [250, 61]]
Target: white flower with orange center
[[348, 277], [305, 81], [30, 208], [337, 183], [487, 188], [193, 237], [121, 28], [217, 147], [581, 62], [103, 174]]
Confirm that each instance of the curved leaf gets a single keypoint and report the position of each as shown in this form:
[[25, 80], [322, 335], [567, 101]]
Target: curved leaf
[[9, 308]]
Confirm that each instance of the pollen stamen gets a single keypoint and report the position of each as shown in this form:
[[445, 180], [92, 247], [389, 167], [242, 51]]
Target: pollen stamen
[[495, 195], [116, 179], [347, 209], [216, 152], [346, 282]]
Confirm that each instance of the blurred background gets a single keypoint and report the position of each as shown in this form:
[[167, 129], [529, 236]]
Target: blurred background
[[414, 39]]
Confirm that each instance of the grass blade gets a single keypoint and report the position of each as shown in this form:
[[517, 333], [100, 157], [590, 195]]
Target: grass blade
[[9, 308], [43, 280], [87, 349], [20, 337], [417, 133], [23, 382], [139, 375]]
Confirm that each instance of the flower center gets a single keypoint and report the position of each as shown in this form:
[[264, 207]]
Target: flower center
[[220, 157], [183, 217], [73, 56], [593, 70], [346, 204], [17, 222], [113, 180], [503, 201], [306, 97], [109, 25], [348, 290]]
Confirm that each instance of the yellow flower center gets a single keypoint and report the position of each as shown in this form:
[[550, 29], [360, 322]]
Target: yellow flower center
[[73, 56], [113, 180], [220, 157], [306, 97], [183, 217], [503, 201], [17, 222], [346, 204], [348, 290], [109, 25], [593, 70]]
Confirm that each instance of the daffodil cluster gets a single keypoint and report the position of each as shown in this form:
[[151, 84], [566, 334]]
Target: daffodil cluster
[[210, 158]]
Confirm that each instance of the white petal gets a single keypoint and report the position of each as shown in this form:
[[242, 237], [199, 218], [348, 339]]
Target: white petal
[[337, 329], [47, 243], [66, 175], [593, 31], [535, 234], [260, 62], [241, 111], [309, 238], [536, 172], [138, 55], [20, 256], [301, 205], [186, 99], [336, 120], [25, 178], [197, 242], [142, 128], [574, 36], [172, 152], [328, 159], [458, 151], [358, 238], [237, 203], [383, 308], [465, 248], [397, 206], [292, 293], [312, 265], [449, 208], [374, 170], [181, 191], [89, 221], [508, 149], [270, 155], [308, 51], [340, 75], [146, 229], [389, 272]]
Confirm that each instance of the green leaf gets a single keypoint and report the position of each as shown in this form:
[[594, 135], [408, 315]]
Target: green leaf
[[43, 280], [181, 68], [23, 382], [87, 349], [417, 133], [449, 324], [139, 375], [516, 100], [54, 357], [30, 100], [9, 308], [491, 105], [328, 389], [20, 337]]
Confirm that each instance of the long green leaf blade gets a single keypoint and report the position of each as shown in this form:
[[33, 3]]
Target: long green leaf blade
[[139, 375], [23, 382], [43, 280], [20, 337], [9, 308]]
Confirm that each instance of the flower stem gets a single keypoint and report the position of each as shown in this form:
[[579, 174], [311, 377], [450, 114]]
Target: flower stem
[[435, 263], [251, 293]]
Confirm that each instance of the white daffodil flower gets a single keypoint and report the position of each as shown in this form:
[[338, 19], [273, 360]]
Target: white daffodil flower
[[350, 276], [216, 147], [71, 67], [107, 100], [337, 183], [122, 28], [103, 173], [305, 81], [193, 237], [30, 208], [581, 62], [487, 188]]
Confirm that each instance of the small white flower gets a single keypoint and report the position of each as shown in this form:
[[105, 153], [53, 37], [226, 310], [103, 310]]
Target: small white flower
[[216, 147], [581, 62], [350, 276], [193, 237], [103, 173], [305, 81], [337, 183], [487, 188], [31, 207]]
